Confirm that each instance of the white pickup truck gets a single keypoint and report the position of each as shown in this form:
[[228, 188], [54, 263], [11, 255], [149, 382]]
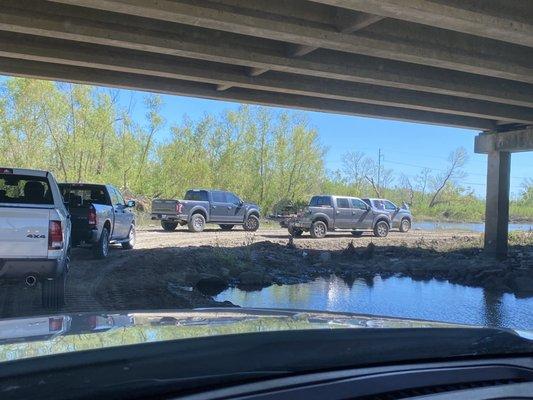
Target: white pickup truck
[[34, 232]]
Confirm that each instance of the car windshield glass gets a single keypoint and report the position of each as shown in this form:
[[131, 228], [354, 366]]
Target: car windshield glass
[[182, 169], [24, 189], [197, 195]]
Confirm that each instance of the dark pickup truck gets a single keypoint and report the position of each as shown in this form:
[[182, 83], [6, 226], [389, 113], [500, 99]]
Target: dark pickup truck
[[202, 206], [99, 216]]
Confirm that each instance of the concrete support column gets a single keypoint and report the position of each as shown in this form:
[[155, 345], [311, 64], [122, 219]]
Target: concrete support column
[[497, 202]]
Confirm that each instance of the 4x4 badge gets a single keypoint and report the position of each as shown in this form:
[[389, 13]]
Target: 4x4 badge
[[35, 236]]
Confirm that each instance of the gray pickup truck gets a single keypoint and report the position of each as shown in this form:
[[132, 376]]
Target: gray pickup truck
[[100, 216], [201, 206], [329, 213]]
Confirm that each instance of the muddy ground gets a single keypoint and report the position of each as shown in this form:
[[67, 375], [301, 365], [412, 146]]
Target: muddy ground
[[182, 269]]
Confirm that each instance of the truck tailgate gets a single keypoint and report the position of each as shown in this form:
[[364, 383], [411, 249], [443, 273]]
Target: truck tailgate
[[164, 207], [24, 232]]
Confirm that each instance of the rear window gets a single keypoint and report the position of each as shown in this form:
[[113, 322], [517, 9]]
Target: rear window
[[25, 189], [196, 195], [79, 195], [320, 201]]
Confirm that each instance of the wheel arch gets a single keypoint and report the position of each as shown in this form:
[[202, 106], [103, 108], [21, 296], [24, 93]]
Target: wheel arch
[[323, 218], [198, 210]]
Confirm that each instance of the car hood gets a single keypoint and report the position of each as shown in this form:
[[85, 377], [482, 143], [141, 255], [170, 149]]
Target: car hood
[[45, 335]]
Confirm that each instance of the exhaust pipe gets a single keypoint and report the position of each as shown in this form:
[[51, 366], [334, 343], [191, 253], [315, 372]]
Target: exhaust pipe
[[30, 280]]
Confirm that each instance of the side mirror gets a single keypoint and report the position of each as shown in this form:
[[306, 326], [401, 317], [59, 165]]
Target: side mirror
[[130, 204]]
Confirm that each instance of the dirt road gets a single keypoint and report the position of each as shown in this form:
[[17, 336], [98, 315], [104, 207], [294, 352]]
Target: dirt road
[[180, 269]]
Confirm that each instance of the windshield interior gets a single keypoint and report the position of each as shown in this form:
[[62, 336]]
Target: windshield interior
[[205, 172]]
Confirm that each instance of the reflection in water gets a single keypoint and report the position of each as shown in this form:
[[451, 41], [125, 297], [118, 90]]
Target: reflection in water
[[493, 308], [465, 226], [398, 297]]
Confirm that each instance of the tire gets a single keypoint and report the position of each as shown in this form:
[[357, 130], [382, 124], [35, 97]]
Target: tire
[[53, 292], [357, 233], [405, 225], [318, 230], [226, 227], [196, 223], [251, 224], [381, 229], [130, 243], [169, 226], [296, 232], [101, 248]]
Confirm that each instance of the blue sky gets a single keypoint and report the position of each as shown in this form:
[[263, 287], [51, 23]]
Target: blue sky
[[401, 143]]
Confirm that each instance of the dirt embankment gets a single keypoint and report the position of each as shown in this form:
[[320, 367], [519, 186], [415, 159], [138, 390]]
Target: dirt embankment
[[183, 269]]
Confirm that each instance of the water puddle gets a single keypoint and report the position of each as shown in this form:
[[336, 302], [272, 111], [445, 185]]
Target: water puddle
[[399, 297]]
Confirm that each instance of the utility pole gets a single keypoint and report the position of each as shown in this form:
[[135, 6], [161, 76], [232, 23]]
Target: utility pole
[[379, 168]]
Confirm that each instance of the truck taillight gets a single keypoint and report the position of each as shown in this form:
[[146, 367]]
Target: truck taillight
[[91, 218], [55, 236], [179, 207]]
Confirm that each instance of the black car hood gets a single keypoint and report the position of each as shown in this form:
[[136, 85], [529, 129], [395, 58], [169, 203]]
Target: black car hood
[[46, 335]]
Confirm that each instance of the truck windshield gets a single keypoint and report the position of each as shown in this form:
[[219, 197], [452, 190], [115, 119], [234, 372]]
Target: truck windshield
[[196, 195], [24, 189], [78, 195]]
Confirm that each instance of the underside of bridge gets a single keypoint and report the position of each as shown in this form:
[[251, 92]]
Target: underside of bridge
[[464, 63]]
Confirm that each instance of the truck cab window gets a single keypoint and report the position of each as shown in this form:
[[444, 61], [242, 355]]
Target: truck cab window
[[389, 206], [22, 189], [119, 198], [320, 201], [196, 195], [219, 197], [343, 203], [232, 198], [359, 204]]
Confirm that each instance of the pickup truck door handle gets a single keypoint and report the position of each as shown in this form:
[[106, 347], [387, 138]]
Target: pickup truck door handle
[[213, 206], [230, 207], [338, 212]]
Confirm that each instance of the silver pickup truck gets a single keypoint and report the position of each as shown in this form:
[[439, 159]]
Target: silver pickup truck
[[100, 216], [201, 206], [34, 232]]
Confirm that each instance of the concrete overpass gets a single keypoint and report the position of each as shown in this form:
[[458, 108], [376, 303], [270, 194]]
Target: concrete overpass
[[464, 63]]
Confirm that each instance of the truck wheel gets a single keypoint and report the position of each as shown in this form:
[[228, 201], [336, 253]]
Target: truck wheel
[[296, 232], [169, 226], [381, 229], [101, 248], [405, 225], [251, 224], [128, 245], [357, 233], [196, 223], [226, 227], [318, 230], [53, 292]]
